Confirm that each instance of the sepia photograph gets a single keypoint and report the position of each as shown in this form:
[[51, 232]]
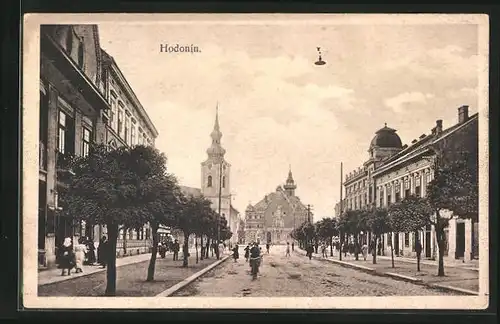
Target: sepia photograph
[[250, 161]]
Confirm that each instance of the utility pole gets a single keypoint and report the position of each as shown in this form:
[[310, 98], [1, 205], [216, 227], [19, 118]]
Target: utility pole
[[219, 214], [341, 238]]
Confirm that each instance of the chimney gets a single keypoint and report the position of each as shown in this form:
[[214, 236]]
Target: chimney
[[405, 146], [422, 136], [463, 114], [439, 126], [414, 141]]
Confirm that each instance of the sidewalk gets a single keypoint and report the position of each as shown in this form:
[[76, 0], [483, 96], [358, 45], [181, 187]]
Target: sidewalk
[[457, 278], [470, 265], [54, 275], [130, 279]]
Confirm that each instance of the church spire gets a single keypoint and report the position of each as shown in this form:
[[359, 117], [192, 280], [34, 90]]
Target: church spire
[[216, 150], [290, 183]]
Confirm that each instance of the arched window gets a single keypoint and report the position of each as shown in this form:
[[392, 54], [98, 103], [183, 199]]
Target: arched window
[[80, 53], [69, 41], [209, 182], [224, 182]]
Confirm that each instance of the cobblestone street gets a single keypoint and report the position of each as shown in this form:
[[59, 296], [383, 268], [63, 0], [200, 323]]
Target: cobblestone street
[[298, 276]]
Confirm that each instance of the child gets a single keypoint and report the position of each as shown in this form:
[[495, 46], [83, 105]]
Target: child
[[80, 251]]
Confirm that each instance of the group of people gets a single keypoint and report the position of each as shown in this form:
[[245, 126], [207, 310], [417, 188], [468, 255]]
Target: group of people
[[75, 256]]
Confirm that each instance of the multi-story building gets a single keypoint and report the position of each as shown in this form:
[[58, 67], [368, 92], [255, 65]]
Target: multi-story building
[[129, 125], [77, 83], [73, 113], [273, 218], [394, 171]]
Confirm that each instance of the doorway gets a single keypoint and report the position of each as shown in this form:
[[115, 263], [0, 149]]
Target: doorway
[[396, 244], [460, 241]]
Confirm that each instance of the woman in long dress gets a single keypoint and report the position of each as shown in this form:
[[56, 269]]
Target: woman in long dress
[[67, 256]]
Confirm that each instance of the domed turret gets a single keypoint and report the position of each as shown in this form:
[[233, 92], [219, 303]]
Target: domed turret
[[387, 138]]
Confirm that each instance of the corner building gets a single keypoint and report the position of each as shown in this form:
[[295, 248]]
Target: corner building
[[75, 111], [394, 171]]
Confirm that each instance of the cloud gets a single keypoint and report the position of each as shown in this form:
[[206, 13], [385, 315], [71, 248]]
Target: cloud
[[403, 101], [463, 92]]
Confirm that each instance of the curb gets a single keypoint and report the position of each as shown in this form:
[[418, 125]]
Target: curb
[[432, 264], [189, 280], [398, 276]]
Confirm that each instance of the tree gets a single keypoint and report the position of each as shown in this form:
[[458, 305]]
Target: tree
[[454, 188], [162, 210], [378, 223], [106, 189], [190, 218], [326, 230], [411, 215], [352, 222]]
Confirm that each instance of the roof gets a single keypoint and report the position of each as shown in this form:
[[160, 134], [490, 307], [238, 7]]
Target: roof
[[234, 210], [421, 146], [386, 137], [190, 191]]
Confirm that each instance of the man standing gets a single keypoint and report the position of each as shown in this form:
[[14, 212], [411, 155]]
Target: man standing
[[293, 246], [175, 249], [288, 249], [267, 247]]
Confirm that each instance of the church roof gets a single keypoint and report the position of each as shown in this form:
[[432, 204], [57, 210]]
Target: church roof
[[190, 191], [386, 137]]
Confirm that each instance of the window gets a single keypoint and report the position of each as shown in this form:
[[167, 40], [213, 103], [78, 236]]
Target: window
[[86, 141], [398, 196], [126, 133], [370, 193], [209, 181], [224, 182], [407, 184], [418, 189], [428, 176], [407, 239], [120, 122], [69, 41], [114, 108], [132, 132], [388, 200], [66, 134], [80, 53]]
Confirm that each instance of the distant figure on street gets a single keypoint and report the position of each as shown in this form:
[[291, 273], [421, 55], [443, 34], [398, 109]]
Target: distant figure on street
[[236, 254], [309, 251], [67, 256], [255, 252], [288, 249], [267, 247], [80, 250], [293, 246], [316, 245], [364, 251], [213, 248], [323, 250], [175, 249], [102, 251], [247, 252], [90, 248]]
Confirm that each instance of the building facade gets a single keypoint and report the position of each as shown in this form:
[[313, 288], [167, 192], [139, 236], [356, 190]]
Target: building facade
[[75, 111], [394, 171], [273, 218]]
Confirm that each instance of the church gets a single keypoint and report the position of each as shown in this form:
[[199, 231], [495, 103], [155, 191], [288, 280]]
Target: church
[[273, 218], [215, 181]]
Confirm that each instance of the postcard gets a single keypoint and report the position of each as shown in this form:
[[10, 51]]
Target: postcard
[[325, 161]]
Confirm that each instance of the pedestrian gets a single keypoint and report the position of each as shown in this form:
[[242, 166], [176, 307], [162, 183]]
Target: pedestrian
[[323, 250], [102, 251], [293, 246], [67, 256], [316, 245], [247, 252], [175, 249], [221, 249], [90, 248], [261, 255], [288, 249], [236, 255], [364, 251], [310, 250], [80, 250], [267, 247]]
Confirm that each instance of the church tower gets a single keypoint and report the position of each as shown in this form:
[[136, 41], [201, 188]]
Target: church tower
[[290, 185], [215, 173]]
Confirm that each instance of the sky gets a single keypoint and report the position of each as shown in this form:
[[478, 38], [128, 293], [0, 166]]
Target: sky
[[277, 108]]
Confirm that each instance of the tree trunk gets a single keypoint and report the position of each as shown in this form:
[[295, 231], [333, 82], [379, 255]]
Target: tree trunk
[[440, 239], [331, 246], [374, 249], [392, 249], [110, 255], [202, 248], [341, 240], [207, 252], [417, 242], [185, 250], [152, 261], [196, 247], [356, 247]]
